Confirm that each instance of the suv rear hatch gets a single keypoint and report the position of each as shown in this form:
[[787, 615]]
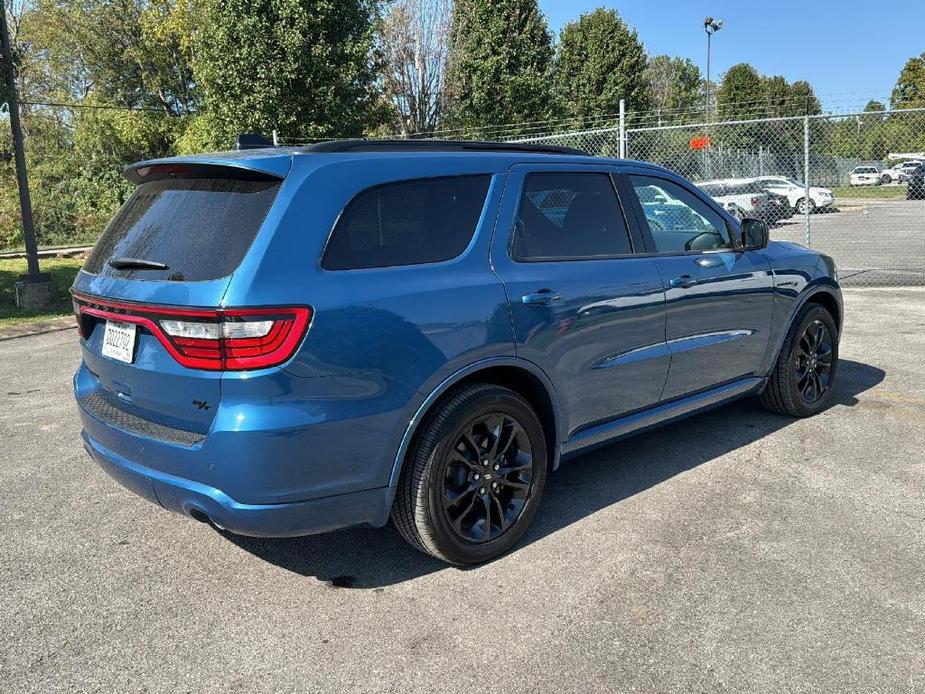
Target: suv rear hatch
[[156, 337]]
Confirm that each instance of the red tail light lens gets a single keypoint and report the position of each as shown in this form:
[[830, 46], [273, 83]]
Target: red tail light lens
[[212, 339], [756, 202]]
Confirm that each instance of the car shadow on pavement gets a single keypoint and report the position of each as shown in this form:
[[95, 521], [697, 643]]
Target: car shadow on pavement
[[375, 558]]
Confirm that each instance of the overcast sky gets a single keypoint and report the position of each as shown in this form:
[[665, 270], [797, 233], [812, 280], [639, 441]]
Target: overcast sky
[[849, 50]]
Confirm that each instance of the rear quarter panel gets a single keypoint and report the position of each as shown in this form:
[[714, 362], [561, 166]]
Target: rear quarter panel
[[381, 339]]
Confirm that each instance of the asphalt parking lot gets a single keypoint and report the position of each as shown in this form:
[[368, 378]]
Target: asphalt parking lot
[[737, 551], [874, 242]]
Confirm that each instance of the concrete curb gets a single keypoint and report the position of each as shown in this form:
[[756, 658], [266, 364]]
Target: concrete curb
[[52, 325]]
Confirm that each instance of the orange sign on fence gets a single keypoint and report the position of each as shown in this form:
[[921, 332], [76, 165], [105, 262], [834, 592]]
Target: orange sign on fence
[[702, 142]]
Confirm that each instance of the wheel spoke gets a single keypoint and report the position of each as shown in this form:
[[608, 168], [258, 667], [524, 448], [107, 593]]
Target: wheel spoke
[[486, 531], [470, 442], [513, 484], [461, 459], [817, 381], [456, 501], [495, 425], [457, 522], [512, 430], [501, 515]]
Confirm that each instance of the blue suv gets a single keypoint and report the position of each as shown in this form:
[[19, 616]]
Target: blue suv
[[284, 341]]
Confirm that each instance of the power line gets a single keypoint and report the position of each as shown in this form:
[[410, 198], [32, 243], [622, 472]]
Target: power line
[[108, 107]]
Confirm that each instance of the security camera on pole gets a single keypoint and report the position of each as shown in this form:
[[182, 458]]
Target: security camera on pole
[[34, 289]]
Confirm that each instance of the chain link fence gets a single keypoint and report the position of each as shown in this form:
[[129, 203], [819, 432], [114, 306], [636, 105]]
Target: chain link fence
[[849, 185]]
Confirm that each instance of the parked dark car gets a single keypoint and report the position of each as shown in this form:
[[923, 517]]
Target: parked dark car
[[779, 207], [284, 341], [916, 188]]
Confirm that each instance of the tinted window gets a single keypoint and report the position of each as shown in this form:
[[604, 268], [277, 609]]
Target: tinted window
[[407, 223], [569, 215], [200, 228], [684, 222]]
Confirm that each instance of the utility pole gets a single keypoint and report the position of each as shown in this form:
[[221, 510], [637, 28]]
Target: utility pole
[[34, 289]]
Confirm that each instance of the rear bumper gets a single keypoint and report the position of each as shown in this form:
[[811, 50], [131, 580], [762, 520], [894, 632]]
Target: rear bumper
[[370, 507]]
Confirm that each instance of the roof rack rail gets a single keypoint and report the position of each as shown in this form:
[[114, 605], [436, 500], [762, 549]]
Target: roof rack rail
[[361, 145]]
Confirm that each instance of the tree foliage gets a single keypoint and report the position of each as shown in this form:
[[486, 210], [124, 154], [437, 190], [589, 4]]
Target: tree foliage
[[500, 65], [909, 91], [601, 61], [300, 67], [675, 84]]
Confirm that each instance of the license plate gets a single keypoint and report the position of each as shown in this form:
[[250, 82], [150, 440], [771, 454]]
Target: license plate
[[119, 341]]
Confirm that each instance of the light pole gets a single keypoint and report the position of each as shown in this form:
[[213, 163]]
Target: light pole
[[710, 26], [34, 289]]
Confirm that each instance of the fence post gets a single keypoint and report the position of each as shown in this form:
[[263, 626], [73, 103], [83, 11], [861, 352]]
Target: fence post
[[622, 129], [806, 224]]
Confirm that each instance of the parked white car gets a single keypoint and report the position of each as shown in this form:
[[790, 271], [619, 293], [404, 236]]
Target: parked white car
[[795, 192], [736, 198], [899, 172], [865, 176]]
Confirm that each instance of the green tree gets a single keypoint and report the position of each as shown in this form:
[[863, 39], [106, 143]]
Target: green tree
[[741, 89], [601, 61], [674, 83], [500, 64], [127, 53], [301, 67], [777, 96], [909, 91], [803, 100]]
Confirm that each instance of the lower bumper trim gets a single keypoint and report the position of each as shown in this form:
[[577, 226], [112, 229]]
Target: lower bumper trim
[[368, 507]]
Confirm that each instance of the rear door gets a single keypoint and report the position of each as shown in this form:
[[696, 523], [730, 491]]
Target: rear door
[[172, 246], [584, 307], [719, 297]]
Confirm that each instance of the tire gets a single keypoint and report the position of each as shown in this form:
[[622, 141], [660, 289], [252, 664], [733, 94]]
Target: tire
[[802, 203], [453, 505], [885, 179], [802, 380]]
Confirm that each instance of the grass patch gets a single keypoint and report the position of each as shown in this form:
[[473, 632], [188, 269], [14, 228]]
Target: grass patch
[[62, 271], [869, 192]]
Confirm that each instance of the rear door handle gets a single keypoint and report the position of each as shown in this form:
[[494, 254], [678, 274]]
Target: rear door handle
[[684, 281], [543, 297]]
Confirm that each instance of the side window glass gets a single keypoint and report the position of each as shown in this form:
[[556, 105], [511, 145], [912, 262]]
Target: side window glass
[[569, 216], [678, 220], [412, 222]]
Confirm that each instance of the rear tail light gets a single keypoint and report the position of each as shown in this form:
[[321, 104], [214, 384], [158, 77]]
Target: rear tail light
[[756, 202], [212, 339]]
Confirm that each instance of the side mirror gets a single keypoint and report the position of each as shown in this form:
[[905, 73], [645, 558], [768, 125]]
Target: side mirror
[[755, 234]]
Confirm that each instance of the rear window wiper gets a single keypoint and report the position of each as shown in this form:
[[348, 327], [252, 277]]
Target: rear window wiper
[[136, 264]]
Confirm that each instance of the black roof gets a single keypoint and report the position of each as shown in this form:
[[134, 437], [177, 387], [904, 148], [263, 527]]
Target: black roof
[[360, 145], [252, 141]]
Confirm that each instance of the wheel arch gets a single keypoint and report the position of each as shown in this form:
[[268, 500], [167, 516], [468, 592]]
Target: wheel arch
[[521, 376], [825, 295]]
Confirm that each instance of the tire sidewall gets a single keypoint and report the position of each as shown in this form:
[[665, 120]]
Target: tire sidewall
[[450, 544]]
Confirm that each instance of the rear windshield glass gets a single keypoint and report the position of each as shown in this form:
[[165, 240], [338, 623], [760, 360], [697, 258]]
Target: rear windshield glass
[[199, 228], [407, 223]]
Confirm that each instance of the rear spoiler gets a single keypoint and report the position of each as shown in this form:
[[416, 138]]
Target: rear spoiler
[[145, 172]]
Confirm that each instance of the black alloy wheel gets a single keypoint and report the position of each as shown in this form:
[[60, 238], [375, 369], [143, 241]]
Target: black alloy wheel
[[801, 382], [473, 476], [813, 362], [487, 478]]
